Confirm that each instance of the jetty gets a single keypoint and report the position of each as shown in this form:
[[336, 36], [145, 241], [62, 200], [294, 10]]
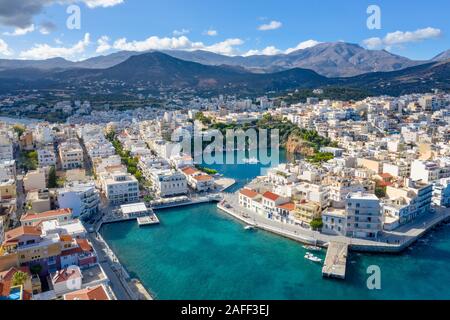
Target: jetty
[[147, 220], [336, 261]]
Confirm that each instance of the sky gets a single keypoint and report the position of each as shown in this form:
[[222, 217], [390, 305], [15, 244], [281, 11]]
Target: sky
[[37, 29]]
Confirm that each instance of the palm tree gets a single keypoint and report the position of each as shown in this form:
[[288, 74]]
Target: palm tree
[[19, 278]]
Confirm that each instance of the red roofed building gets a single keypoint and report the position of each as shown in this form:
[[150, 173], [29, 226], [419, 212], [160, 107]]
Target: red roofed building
[[247, 197], [271, 202], [33, 219], [98, 293], [7, 285], [67, 280], [198, 180]]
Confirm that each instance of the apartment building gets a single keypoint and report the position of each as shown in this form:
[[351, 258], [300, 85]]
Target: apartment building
[[82, 198], [198, 180], [364, 216], [71, 155], [429, 171], [306, 212], [409, 202], [46, 157], [35, 180], [441, 193], [169, 183], [6, 148], [31, 219], [120, 188]]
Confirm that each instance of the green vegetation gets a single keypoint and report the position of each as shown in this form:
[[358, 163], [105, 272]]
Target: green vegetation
[[52, 178], [19, 129], [148, 198], [320, 157], [19, 278], [36, 269], [130, 162], [380, 192], [207, 170], [203, 119], [316, 224], [28, 160], [330, 93]]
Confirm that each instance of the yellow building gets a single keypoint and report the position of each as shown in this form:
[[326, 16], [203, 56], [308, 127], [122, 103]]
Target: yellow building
[[306, 212]]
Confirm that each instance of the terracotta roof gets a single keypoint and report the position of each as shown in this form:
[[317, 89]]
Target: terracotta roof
[[386, 175], [189, 171], [271, 196], [46, 215], [71, 252], [96, 293], [249, 193], [84, 245], [66, 238], [66, 274], [288, 206], [6, 278], [13, 235], [203, 177]]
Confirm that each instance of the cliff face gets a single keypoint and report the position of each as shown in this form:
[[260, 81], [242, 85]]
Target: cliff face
[[299, 146]]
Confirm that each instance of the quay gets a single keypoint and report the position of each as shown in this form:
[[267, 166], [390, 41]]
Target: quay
[[336, 261], [147, 220]]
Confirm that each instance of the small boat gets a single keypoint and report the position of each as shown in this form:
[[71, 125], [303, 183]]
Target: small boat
[[312, 248], [251, 161], [311, 257], [249, 228]]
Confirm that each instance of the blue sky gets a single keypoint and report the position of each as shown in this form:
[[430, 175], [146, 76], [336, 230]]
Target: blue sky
[[416, 29]]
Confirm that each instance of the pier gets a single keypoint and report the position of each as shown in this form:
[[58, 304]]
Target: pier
[[336, 261], [147, 220]]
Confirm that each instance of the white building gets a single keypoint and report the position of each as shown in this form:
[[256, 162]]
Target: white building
[[6, 148], [169, 183], [71, 155], [364, 216], [82, 198], [441, 193], [120, 188], [46, 157], [429, 171]]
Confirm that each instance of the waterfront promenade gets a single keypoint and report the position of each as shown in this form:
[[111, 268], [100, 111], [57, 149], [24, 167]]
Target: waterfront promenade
[[390, 242]]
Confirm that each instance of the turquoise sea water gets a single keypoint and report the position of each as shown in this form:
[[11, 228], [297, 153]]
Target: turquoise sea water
[[200, 253]]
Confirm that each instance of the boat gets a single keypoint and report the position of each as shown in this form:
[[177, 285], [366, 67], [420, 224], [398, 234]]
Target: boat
[[312, 248], [251, 161], [249, 228], [311, 257]]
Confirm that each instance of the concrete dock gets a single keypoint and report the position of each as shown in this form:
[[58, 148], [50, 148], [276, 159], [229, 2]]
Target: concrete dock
[[336, 261], [147, 220]]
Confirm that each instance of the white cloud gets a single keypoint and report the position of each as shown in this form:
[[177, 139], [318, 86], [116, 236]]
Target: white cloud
[[4, 49], [402, 37], [211, 33], [20, 31], [268, 51], [181, 32], [176, 43], [44, 51], [272, 25], [303, 45], [103, 44], [271, 50], [102, 3]]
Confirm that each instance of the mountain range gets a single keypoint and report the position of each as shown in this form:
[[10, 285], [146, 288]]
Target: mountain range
[[334, 59], [156, 70]]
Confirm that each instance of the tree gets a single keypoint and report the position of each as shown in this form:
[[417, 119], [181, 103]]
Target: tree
[[36, 269], [380, 192], [19, 129], [316, 224], [19, 278], [52, 178]]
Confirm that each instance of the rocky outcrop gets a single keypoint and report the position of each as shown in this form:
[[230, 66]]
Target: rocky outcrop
[[297, 145]]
